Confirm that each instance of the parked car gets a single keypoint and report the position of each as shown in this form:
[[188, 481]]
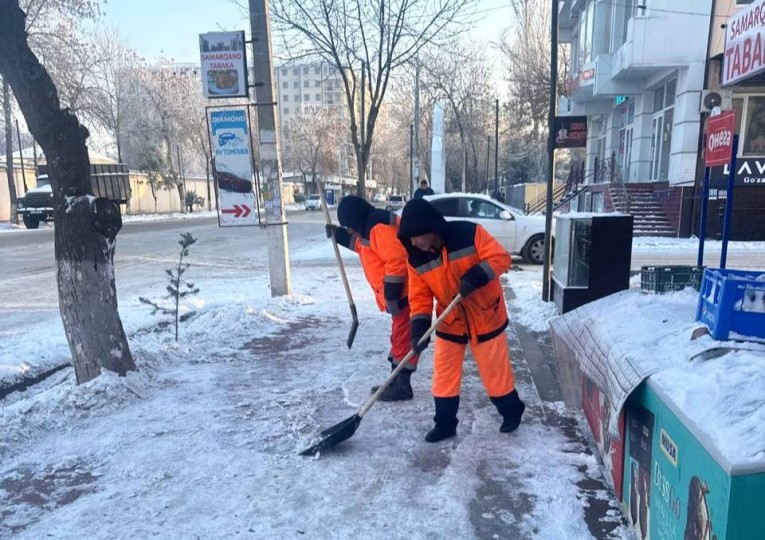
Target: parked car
[[313, 202], [378, 198], [395, 202], [518, 233]]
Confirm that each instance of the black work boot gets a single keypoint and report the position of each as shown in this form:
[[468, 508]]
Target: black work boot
[[400, 388], [376, 387], [511, 408], [445, 419]]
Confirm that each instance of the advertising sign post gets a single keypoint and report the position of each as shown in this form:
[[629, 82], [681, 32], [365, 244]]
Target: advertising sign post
[[718, 151], [232, 159], [224, 64], [729, 205]]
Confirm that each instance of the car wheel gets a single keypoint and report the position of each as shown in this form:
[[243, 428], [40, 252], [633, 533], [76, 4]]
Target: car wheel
[[31, 222], [534, 250], [389, 208]]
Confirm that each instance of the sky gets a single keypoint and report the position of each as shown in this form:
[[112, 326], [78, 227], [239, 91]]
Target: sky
[[170, 27]]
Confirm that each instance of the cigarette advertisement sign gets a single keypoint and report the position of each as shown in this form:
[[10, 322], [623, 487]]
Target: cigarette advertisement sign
[[230, 144], [224, 66], [744, 43]]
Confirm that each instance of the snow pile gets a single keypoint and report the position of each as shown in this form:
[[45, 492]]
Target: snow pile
[[725, 399], [528, 308]]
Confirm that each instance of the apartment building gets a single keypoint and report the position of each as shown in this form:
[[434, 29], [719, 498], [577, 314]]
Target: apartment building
[[303, 88]]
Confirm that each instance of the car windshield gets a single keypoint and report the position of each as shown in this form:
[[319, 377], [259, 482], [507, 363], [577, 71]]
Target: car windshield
[[396, 198], [313, 197]]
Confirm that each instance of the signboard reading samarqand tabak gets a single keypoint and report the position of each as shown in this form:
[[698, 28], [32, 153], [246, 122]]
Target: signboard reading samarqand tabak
[[230, 143], [744, 43], [224, 65]]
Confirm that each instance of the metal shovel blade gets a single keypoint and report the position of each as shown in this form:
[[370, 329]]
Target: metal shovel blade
[[334, 435], [352, 333]]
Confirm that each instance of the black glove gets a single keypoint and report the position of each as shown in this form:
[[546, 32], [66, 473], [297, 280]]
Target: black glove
[[420, 325], [475, 278], [330, 229]]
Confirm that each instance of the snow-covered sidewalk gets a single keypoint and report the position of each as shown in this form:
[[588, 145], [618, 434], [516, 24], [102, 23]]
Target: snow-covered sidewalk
[[203, 440]]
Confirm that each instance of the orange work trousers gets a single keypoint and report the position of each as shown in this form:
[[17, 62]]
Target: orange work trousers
[[401, 338], [492, 358]]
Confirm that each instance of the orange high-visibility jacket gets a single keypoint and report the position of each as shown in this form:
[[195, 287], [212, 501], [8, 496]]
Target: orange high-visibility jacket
[[482, 315], [383, 258]]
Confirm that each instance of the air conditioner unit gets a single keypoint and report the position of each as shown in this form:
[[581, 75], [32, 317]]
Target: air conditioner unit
[[722, 98]]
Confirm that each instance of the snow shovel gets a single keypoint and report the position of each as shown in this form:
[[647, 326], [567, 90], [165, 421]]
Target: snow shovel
[[344, 430], [354, 315]]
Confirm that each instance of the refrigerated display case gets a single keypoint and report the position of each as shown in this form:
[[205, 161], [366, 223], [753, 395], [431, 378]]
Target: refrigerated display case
[[592, 257]]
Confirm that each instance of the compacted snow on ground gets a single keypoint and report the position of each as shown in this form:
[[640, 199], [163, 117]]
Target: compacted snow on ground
[[203, 440]]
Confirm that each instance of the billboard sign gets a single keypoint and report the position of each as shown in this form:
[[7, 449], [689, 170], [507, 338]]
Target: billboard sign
[[744, 44], [719, 146], [750, 172], [570, 132], [224, 65], [230, 144]]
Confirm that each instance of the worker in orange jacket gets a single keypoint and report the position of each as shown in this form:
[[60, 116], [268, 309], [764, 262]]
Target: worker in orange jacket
[[446, 258], [371, 233]]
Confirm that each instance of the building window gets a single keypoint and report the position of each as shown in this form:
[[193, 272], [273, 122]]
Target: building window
[[306, 97], [286, 111], [305, 71], [317, 70], [754, 138], [285, 85], [626, 136], [318, 97], [296, 84], [297, 97], [285, 72], [317, 84], [285, 97], [306, 84], [295, 71], [661, 129]]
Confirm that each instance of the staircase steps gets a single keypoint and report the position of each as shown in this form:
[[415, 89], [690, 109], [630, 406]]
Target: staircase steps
[[648, 213]]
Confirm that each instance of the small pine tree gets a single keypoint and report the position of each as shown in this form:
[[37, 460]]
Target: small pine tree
[[178, 289]]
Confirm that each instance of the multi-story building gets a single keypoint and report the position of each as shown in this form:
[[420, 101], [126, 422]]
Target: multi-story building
[[637, 72], [305, 88], [748, 101]]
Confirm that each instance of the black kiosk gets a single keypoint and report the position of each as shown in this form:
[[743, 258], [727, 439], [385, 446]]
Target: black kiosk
[[592, 257]]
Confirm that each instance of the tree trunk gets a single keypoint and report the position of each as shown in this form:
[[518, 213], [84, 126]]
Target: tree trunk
[[85, 228], [9, 151]]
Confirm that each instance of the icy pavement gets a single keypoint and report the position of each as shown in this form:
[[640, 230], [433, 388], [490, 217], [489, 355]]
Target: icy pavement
[[202, 442]]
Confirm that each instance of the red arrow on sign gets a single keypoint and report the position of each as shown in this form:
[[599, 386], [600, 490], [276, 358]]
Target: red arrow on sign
[[239, 210]]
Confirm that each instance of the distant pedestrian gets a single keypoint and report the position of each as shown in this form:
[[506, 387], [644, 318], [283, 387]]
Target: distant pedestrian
[[371, 233], [423, 190], [446, 258]]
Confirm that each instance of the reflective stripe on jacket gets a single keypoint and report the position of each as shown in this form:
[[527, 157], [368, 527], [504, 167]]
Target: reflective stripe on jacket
[[384, 260], [482, 315]]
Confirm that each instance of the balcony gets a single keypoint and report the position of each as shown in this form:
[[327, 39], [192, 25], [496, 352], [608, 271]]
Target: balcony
[[656, 43]]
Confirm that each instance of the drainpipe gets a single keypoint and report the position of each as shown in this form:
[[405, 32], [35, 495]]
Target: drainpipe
[[699, 167]]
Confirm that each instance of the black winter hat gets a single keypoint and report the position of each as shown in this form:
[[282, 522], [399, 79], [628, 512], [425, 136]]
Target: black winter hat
[[420, 217], [354, 212]]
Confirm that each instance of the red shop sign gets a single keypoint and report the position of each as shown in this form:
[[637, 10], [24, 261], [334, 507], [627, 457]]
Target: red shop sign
[[720, 139]]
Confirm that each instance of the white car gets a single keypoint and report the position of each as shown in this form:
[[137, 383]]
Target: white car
[[313, 202], [518, 233]]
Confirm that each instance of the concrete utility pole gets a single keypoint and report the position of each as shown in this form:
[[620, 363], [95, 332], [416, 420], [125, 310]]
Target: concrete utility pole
[[268, 146], [546, 273]]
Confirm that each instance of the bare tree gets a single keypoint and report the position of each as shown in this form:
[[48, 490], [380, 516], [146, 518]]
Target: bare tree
[[311, 140], [85, 227], [51, 26], [116, 96], [366, 40], [526, 49], [459, 75]]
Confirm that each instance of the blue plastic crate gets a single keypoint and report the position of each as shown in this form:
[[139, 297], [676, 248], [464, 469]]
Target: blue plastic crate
[[732, 301]]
